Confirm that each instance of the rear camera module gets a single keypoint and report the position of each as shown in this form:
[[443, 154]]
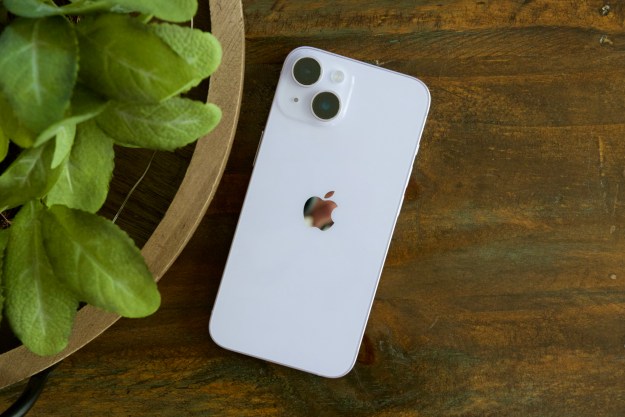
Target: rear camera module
[[306, 71], [326, 105]]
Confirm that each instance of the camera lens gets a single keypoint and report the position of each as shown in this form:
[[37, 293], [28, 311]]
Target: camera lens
[[326, 105], [306, 71]]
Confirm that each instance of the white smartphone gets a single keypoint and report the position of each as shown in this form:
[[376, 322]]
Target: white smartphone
[[327, 186]]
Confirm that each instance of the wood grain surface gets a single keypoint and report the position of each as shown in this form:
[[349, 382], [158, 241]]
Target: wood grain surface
[[504, 289]]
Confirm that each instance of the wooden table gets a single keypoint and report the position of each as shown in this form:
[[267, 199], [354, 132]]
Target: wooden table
[[504, 289]]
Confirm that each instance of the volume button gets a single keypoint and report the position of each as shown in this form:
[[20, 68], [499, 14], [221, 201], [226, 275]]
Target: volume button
[[260, 142]]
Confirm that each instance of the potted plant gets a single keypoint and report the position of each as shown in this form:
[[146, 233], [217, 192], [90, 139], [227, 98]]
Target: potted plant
[[76, 78]]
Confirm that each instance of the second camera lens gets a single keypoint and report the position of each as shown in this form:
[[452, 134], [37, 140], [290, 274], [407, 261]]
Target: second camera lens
[[326, 105], [307, 71]]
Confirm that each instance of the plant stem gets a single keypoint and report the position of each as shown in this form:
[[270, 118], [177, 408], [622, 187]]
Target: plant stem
[[5, 223], [134, 187]]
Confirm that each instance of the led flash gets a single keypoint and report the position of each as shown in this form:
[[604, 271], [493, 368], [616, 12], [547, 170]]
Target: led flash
[[337, 76]]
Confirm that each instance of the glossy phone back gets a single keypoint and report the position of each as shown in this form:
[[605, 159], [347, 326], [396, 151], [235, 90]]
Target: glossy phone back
[[297, 288]]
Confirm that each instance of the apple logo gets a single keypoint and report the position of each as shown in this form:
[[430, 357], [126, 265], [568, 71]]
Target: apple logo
[[318, 212]]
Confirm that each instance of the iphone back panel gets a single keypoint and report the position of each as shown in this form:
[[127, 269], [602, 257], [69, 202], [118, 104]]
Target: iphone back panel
[[318, 217]]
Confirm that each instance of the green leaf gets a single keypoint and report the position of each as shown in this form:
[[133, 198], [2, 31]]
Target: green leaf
[[199, 49], [38, 307], [4, 145], [30, 176], [30, 8], [170, 10], [99, 262], [122, 58], [63, 144], [38, 69], [42, 8], [83, 183], [12, 127], [164, 126], [85, 105], [4, 238]]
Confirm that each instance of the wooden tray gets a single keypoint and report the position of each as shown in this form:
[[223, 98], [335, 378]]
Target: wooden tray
[[189, 204]]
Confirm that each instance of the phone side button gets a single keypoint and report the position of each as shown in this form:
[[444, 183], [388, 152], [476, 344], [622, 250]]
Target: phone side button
[[260, 142]]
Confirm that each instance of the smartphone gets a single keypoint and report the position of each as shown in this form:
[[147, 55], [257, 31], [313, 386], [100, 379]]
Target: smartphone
[[326, 190]]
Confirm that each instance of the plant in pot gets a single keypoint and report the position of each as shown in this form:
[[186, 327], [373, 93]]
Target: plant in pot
[[76, 78]]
